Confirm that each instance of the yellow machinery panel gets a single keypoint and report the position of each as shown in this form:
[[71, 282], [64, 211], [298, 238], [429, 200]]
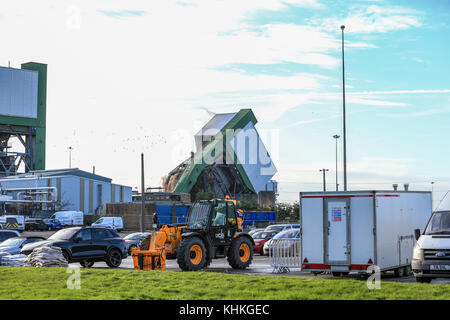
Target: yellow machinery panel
[[149, 259]]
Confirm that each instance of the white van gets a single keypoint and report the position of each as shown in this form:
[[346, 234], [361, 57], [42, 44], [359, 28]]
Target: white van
[[109, 222], [13, 222], [69, 218], [431, 256]]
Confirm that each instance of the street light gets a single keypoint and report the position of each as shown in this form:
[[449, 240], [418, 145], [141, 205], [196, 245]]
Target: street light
[[343, 111], [70, 156], [336, 137]]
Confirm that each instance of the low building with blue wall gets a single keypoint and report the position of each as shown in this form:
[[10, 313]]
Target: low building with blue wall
[[75, 189]]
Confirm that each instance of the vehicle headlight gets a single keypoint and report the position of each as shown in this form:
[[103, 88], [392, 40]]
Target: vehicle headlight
[[418, 253]]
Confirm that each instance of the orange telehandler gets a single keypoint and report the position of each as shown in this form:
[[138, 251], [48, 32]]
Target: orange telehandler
[[213, 230]]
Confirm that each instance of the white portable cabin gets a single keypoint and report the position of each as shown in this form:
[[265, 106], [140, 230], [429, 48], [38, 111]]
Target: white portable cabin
[[348, 231]]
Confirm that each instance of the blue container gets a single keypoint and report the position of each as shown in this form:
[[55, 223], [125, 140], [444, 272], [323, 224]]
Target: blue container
[[252, 217], [166, 216]]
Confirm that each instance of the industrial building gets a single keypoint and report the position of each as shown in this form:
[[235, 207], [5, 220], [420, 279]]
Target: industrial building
[[23, 95], [75, 189], [26, 186], [230, 159]]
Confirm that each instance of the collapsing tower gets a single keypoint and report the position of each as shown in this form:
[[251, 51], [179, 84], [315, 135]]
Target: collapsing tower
[[230, 159], [23, 117]]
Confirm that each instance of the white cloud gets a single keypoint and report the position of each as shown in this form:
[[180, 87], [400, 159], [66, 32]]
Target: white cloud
[[400, 92], [373, 102], [373, 19], [366, 170], [117, 87], [416, 114]]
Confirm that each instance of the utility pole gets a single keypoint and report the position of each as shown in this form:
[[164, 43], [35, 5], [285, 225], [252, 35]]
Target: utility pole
[[142, 194], [336, 137], [343, 111], [324, 182], [70, 156]]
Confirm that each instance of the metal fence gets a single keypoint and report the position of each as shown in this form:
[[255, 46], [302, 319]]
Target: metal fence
[[284, 254]]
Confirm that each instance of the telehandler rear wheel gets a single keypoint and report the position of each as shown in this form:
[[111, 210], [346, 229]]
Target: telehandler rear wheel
[[240, 254], [191, 254]]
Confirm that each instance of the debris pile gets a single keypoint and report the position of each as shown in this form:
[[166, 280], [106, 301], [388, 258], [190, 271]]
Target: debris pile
[[46, 257]]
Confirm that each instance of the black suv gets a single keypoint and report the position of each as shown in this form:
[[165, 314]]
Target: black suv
[[86, 245]]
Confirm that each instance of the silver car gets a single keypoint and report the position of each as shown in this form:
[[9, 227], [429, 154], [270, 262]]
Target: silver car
[[14, 245], [133, 239], [287, 234]]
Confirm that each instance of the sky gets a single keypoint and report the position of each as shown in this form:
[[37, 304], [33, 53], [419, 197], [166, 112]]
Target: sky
[[126, 77]]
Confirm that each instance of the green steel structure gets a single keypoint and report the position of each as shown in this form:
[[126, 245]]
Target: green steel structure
[[197, 164], [29, 131]]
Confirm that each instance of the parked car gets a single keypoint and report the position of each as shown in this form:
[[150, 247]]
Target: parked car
[[86, 245], [69, 218], [253, 231], [260, 238], [15, 244], [287, 234], [431, 254], [53, 224], [133, 239], [282, 227], [13, 222], [35, 224], [109, 222], [6, 234]]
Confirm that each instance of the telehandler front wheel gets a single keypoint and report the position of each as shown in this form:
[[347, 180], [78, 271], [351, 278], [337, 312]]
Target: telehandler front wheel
[[240, 254], [191, 254]]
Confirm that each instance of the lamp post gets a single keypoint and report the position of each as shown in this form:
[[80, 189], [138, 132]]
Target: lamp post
[[336, 137], [142, 226], [324, 182], [343, 111], [70, 156]]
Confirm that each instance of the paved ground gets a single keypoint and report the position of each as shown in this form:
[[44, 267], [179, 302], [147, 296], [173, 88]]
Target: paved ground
[[260, 266]]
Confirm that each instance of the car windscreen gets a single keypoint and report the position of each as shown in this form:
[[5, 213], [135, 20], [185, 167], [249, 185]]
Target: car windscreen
[[251, 232], [11, 220], [260, 235], [12, 242], [198, 217], [99, 221], [64, 234], [275, 228], [439, 223], [133, 236], [291, 234]]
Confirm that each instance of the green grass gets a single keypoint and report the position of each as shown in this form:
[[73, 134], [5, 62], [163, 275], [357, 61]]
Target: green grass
[[50, 283]]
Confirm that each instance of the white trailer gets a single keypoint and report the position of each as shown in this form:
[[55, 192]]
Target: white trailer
[[345, 232]]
